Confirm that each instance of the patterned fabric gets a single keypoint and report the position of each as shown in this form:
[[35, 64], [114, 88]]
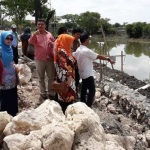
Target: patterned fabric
[[9, 77], [64, 68]]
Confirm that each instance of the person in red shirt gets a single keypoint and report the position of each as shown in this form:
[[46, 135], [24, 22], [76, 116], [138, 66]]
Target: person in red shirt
[[43, 42]]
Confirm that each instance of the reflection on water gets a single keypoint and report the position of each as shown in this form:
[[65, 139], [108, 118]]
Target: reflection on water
[[136, 60]]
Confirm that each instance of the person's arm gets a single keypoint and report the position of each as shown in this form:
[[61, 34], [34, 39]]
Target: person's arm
[[32, 39], [51, 42], [105, 58]]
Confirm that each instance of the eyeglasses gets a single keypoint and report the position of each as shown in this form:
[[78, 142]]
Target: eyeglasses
[[9, 39]]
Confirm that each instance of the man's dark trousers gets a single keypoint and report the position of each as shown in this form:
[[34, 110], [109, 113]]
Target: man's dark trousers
[[88, 84], [15, 54]]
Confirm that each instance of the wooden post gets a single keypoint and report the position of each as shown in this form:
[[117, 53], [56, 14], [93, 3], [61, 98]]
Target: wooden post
[[107, 47], [100, 65], [122, 66]]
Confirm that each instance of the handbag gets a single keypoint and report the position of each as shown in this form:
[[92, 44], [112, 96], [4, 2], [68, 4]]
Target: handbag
[[61, 87], [30, 49]]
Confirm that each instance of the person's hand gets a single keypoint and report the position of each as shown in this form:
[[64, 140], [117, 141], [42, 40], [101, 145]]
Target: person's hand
[[50, 43], [36, 33], [16, 69], [112, 61]]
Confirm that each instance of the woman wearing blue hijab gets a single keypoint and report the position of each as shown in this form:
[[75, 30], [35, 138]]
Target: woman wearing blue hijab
[[8, 88]]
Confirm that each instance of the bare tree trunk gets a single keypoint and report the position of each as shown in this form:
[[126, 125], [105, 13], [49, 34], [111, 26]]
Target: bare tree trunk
[[50, 15]]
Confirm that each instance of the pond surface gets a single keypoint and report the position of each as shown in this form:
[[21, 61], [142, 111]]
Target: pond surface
[[136, 61]]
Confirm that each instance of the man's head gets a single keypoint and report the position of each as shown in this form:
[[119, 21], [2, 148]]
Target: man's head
[[84, 39], [62, 30], [13, 27], [76, 32], [41, 25]]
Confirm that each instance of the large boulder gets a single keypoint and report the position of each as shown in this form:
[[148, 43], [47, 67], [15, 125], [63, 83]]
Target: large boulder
[[126, 142], [5, 118], [89, 134], [34, 119], [54, 136]]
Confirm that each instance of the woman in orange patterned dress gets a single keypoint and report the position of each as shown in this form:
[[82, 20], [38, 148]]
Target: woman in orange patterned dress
[[65, 70]]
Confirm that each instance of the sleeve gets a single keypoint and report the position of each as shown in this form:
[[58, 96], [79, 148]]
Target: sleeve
[[52, 40], [92, 55], [32, 39]]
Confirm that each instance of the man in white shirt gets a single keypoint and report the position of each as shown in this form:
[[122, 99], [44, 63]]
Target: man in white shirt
[[85, 57]]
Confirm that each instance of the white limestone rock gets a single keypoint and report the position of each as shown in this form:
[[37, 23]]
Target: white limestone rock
[[126, 142], [89, 134], [97, 94], [57, 136], [113, 146], [30, 120], [17, 141], [5, 118], [111, 108], [147, 134]]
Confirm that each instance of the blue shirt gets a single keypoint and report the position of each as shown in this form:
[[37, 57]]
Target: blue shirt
[[15, 39]]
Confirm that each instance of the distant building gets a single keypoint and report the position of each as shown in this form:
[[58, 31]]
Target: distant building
[[31, 21]]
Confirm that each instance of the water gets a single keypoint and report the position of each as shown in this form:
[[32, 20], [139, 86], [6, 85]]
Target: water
[[136, 61]]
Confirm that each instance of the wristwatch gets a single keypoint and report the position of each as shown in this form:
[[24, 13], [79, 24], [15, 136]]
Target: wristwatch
[[108, 59]]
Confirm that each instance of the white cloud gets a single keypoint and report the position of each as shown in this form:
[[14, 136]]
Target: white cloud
[[118, 11]]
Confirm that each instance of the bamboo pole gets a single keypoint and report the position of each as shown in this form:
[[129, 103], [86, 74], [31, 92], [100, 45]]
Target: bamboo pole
[[101, 76], [106, 46], [122, 66]]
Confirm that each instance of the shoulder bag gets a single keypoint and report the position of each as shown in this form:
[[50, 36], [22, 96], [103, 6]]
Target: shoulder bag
[[61, 87], [30, 49]]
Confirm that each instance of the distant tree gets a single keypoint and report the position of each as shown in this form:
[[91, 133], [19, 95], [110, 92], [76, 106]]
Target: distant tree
[[106, 25], [112, 30], [17, 10], [146, 30], [90, 21], [70, 20], [137, 29], [117, 25], [129, 28]]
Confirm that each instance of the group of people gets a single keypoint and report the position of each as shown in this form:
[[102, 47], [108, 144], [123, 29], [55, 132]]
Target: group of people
[[64, 59]]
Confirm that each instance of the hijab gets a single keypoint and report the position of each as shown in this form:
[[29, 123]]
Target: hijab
[[64, 41], [6, 51]]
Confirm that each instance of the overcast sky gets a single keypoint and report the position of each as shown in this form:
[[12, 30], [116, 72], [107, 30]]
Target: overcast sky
[[116, 10]]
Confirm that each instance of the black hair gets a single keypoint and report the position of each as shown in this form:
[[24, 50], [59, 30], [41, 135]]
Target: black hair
[[84, 37], [41, 20], [76, 30], [62, 30]]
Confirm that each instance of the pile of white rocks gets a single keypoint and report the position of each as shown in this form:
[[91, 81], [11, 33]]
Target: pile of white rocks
[[47, 128]]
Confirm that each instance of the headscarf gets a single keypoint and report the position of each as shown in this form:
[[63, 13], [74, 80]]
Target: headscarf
[[64, 41], [7, 53], [27, 33]]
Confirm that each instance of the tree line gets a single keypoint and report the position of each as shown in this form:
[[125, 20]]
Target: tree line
[[138, 30], [90, 22]]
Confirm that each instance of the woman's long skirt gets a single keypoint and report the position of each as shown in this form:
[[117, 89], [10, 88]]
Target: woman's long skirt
[[9, 101]]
